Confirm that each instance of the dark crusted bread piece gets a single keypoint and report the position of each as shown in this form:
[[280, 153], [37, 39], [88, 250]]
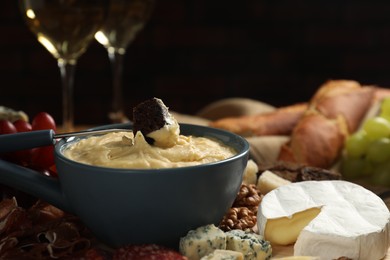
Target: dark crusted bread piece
[[296, 172], [150, 116]]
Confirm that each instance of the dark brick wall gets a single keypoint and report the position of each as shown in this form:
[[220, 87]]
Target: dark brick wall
[[194, 52]]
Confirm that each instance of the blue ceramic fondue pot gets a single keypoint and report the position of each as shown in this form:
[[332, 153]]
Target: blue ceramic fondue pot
[[134, 206]]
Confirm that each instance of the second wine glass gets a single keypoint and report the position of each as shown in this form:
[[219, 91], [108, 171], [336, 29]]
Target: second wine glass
[[125, 19]]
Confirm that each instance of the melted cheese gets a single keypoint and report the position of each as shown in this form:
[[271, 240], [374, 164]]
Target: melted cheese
[[124, 150]]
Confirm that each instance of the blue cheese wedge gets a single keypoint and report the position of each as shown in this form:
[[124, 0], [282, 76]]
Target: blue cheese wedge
[[202, 242], [252, 245], [220, 254]]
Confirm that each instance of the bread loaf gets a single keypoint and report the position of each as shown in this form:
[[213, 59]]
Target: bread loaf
[[344, 98], [335, 111], [278, 122]]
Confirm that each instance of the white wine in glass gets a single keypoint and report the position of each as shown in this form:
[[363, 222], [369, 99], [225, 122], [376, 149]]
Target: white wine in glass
[[65, 28], [125, 19]]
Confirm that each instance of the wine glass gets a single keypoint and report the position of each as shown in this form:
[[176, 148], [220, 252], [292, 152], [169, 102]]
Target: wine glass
[[65, 28], [125, 19]]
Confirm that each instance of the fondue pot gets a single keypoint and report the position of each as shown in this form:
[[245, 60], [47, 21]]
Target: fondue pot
[[136, 206]]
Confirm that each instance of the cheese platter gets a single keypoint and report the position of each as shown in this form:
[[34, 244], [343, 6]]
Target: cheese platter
[[325, 162]]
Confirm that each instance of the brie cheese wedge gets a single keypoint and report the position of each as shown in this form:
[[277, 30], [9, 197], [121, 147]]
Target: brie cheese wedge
[[328, 219]]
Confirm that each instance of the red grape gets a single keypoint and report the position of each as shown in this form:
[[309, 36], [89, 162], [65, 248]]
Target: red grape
[[43, 121], [22, 126], [23, 156], [6, 127], [39, 158], [42, 157]]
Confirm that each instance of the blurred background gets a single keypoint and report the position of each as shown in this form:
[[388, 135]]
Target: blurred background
[[194, 52]]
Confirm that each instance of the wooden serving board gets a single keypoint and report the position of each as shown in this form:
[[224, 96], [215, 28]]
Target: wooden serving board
[[283, 251]]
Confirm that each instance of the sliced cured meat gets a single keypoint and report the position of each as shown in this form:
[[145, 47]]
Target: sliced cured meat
[[147, 252]]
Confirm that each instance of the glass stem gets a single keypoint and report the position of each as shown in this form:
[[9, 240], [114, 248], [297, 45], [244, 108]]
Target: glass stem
[[116, 61], [67, 69]]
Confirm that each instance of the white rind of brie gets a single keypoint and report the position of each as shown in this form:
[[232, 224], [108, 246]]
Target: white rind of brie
[[353, 221]]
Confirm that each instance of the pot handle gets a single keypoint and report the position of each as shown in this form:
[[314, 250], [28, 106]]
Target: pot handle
[[34, 183], [26, 140]]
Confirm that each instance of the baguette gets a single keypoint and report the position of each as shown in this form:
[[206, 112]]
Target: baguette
[[343, 97], [381, 93], [278, 122], [335, 111], [315, 141]]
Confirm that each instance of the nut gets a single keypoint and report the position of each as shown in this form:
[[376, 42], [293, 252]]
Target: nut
[[242, 215], [238, 218], [248, 196]]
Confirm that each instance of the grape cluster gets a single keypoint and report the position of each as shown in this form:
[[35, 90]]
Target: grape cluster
[[368, 150], [39, 158]]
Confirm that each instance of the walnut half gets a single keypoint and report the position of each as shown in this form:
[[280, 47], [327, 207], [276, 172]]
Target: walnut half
[[243, 214], [248, 196], [238, 218]]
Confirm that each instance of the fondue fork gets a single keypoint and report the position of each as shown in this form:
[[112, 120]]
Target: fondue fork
[[32, 139]]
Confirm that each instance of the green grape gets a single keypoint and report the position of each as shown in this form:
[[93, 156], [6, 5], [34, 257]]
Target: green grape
[[377, 127], [385, 107], [381, 174], [368, 150], [357, 144], [379, 150], [385, 116], [353, 168]]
